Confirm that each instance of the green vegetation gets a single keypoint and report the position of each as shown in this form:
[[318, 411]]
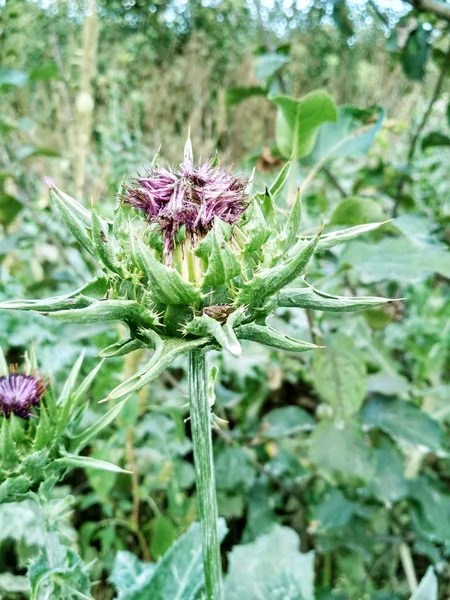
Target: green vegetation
[[332, 464]]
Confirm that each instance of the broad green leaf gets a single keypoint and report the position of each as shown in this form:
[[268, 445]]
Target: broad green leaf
[[9, 208], [340, 375], [351, 135], [435, 138], [396, 259], [45, 72], [164, 533], [431, 510], [333, 512], [268, 65], [340, 453], [388, 483], [235, 95], [405, 422], [233, 470], [357, 211], [415, 53], [297, 122], [58, 573], [178, 575], [284, 421], [428, 588], [128, 572], [271, 568]]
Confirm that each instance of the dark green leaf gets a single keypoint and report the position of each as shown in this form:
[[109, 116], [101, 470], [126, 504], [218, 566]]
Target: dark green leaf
[[415, 53], [405, 422], [297, 122]]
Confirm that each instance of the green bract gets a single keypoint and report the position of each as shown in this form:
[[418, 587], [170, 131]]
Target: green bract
[[38, 451], [217, 289]]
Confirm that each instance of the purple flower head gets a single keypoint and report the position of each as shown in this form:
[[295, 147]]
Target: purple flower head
[[192, 196], [19, 393]]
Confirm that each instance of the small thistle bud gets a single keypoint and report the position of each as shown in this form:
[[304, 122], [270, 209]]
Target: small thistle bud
[[192, 196], [19, 393]]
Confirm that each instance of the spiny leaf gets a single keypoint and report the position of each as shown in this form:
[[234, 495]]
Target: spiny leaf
[[165, 284], [87, 462], [107, 310], [269, 281], [264, 334], [163, 356], [314, 299]]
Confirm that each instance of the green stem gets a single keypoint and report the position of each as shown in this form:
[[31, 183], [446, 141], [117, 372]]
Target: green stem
[[204, 468]]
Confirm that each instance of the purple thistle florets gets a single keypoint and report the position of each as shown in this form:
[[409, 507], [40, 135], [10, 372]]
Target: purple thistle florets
[[19, 393], [192, 196]]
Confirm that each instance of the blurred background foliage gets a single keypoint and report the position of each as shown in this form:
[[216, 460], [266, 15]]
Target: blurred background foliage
[[347, 448]]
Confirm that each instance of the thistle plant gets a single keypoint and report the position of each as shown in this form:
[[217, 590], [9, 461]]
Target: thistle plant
[[41, 436], [194, 260]]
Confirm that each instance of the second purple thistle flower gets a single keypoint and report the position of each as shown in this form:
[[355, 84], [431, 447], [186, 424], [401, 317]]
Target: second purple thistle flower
[[19, 393], [193, 196]]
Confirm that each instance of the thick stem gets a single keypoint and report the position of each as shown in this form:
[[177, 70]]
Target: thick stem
[[204, 468]]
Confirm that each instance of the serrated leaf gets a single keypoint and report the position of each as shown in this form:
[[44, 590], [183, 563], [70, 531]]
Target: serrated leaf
[[405, 422], [44, 431], [163, 356], [268, 282], [340, 375], [298, 120], [122, 347], [255, 228], [165, 284], [223, 264], [253, 573], [102, 243], [263, 334], [290, 232], [207, 326], [73, 223], [108, 310], [329, 240], [8, 451], [310, 297]]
